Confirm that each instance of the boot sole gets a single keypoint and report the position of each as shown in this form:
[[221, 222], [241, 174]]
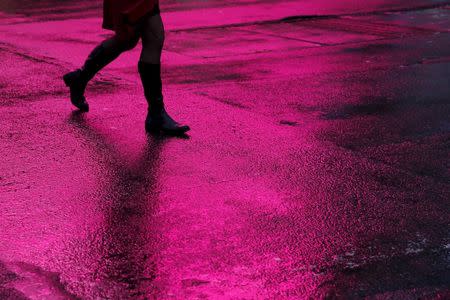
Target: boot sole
[[68, 79], [157, 129]]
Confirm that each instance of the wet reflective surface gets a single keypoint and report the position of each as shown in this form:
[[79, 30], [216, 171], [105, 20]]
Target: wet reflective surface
[[317, 165]]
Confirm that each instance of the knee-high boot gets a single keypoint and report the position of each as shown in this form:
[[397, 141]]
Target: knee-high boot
[[157, 118], [78, 79]]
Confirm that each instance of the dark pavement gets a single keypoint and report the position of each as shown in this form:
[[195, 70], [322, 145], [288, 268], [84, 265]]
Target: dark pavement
[[317, 166]]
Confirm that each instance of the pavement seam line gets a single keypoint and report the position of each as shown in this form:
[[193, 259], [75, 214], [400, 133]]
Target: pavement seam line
[[292, 18]]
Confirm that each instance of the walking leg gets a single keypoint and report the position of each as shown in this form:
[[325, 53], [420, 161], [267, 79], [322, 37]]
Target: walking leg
[[158, 119], [102, 55]]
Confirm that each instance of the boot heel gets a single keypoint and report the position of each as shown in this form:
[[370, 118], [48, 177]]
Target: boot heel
[[152, 128], [69, 78]]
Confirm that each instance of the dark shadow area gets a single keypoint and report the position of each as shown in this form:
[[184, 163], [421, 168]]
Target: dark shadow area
[[6, 278], [400, 132], [426, 273], [129, 238]]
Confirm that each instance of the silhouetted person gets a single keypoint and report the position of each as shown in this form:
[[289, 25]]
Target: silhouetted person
[[130, 20]]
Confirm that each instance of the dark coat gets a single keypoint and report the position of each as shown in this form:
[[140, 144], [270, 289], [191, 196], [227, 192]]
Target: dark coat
[[118, 12]]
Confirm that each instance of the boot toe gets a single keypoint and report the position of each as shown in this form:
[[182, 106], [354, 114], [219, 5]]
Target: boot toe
[[185, 128], [176, 130]]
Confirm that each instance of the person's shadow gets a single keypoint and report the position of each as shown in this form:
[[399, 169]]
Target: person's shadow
[[129, 193]]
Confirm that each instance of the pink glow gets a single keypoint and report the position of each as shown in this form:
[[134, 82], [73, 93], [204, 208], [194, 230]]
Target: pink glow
[[284, 189]]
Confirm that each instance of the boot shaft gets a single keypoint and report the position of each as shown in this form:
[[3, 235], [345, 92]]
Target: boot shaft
[[151, 81], [100, 57]]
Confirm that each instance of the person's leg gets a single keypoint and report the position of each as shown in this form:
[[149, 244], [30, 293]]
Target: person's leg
[[102, 55], [152, 34]]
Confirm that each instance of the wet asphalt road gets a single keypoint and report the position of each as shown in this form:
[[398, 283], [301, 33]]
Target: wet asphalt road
[[317, 165]]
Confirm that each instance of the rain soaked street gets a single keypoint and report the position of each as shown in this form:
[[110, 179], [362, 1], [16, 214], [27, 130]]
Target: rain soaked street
[[317, 165]]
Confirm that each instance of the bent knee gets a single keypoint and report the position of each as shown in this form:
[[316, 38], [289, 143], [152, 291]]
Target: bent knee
[[127, 41], [130, 43], [153, 32]]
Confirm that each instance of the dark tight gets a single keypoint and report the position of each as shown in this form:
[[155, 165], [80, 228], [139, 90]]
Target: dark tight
[[152, 35], [150, 29]]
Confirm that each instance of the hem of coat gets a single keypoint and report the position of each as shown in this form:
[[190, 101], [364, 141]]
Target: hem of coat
[[108, 26]]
